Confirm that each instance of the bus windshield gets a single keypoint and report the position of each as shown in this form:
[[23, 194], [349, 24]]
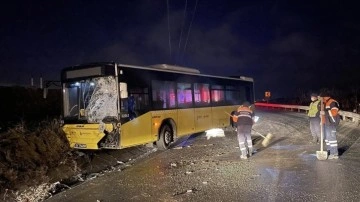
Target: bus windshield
[[91, 99]]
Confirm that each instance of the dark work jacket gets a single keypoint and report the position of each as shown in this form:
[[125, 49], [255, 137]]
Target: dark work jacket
[[332, 116], [244, 116]]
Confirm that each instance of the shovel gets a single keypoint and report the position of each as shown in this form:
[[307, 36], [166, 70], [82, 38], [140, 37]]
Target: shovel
[[322, 155]]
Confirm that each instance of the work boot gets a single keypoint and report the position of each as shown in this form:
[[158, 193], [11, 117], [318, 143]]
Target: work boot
[[250, 151], [243, 157]]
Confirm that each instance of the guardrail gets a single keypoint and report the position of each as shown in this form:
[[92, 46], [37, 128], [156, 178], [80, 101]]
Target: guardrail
[[344, 114]]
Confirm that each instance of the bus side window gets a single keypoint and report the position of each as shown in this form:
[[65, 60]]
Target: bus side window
[[163, 94], [138, 100], [201, 94], [184, 95], [158, 102], [131, 107]]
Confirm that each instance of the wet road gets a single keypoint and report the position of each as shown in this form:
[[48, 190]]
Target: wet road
[[197, 169]]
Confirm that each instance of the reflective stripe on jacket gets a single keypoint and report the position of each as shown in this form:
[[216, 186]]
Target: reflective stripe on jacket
[[243, 116]]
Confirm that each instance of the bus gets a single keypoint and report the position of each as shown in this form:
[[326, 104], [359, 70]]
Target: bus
[[115, 106]]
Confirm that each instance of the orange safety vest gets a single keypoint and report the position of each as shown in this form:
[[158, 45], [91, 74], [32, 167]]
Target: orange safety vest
[[242, 112]]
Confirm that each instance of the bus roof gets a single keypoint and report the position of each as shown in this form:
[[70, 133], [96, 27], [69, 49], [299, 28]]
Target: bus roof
[[176, 68], [160, 67], [185, 70]]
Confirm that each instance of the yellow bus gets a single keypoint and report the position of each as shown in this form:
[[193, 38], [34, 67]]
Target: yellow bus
[[115, 106]]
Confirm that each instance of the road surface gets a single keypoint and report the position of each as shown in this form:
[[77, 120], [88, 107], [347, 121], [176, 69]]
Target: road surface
[[197, 169]]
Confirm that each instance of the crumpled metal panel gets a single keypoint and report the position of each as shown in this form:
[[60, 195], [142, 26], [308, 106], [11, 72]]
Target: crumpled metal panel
[[103, 100]]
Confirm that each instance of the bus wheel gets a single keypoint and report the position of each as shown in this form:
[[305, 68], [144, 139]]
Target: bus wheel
[[166, 137]]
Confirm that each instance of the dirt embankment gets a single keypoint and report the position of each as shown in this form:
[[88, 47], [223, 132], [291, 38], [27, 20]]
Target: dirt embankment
[[35, 164], [26, 156]]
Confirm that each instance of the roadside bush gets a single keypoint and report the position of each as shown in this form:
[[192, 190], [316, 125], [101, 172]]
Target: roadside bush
[[26, 156]]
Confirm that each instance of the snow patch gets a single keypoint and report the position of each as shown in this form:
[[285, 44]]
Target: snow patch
[[215, 132]]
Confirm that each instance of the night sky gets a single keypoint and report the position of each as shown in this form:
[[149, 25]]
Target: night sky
[[286, 46]]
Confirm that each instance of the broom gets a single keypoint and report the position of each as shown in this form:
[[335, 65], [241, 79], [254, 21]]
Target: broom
[[267, 138]]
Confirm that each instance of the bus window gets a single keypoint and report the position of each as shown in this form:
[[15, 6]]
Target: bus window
[[248, 93], [242, 94], [91, 99], [141, 99], [72, 103], [236, 95], [184, 95], [233, 95], [201, 94], [163, 94], [217, 94]]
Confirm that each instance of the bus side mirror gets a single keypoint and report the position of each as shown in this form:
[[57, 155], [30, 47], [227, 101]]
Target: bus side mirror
[[123, 90]]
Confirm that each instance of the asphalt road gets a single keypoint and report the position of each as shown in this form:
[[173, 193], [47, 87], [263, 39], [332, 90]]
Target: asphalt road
[[197, 169]]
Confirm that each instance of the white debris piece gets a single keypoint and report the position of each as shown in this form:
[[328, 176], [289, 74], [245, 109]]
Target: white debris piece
[[216, 132], [173, 164], [35, 193], [93, 176], [79, 178], [80, 153]]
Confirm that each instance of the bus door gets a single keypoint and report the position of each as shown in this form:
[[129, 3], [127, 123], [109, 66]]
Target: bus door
[[136, 124], [186, 112], [203, 114]]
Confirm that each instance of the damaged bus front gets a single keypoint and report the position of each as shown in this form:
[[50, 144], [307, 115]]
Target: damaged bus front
[[91, 100]]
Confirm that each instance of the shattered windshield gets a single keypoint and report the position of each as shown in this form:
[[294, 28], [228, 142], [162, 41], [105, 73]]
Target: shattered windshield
[[92, 99]]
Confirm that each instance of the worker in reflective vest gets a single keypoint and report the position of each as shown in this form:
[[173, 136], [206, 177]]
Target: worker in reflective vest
[[331, 121], [243, 118], [314, 117]]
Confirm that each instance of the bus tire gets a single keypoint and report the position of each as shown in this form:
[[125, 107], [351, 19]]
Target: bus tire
[[166, 137]]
